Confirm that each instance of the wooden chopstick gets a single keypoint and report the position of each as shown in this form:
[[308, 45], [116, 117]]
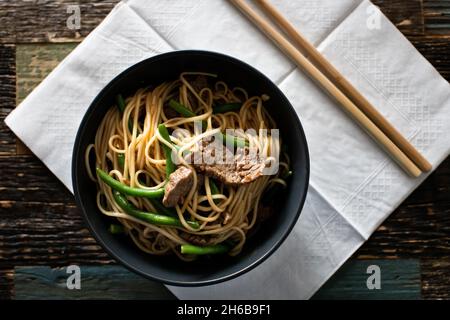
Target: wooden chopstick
[[345, 86], [330, 88]]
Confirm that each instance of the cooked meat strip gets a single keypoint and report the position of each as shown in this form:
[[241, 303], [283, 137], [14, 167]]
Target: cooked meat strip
[[232, 169], [180, 182]]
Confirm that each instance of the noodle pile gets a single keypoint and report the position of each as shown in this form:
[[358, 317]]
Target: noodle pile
[[223, 217]]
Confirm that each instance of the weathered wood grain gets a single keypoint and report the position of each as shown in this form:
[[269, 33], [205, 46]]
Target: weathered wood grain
[[436, 51], [406, 15], [45, 237], [7, 139], [418, 17], [437, 17], [6, 282], [436, 278], [46, 20], [26, 179], [105, 282], [39, 221], [7, 97], [399, 279], [34, 63]]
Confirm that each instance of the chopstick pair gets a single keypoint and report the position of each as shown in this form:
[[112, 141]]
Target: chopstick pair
[[329, 78]]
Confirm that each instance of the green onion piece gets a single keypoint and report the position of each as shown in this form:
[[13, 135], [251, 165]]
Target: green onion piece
[[181, 109]]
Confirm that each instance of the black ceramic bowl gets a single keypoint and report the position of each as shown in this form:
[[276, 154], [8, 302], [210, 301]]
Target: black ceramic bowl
[[269, 236]]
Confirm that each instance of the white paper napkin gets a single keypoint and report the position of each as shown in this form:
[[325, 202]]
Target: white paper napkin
[[354, 185]]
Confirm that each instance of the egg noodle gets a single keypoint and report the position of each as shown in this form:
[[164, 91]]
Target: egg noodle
[[223, 217]]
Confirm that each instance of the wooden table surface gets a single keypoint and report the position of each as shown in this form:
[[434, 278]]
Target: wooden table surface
[[42, 232]]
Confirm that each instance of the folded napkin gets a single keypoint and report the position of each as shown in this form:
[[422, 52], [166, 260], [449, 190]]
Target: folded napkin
[[354, 185]]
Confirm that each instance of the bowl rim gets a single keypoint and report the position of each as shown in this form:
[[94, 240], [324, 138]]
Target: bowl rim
[[110, 249]]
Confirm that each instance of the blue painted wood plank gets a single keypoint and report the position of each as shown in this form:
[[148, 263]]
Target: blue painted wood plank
[[96, 282], [400, 279]]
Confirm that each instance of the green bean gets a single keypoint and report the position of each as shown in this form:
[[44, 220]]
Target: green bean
[[185, 112], [213, 186], [170, 166], [178, 107], [116, 229], [122, 188], [181, 109], [121, 160], [214, 189], [149, 217], [160, 208], [227, 107], [121, 105], [197, 250], [237, 142]]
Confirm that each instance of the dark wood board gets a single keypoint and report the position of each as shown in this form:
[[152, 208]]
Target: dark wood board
[[46, 20], [400, 280]]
